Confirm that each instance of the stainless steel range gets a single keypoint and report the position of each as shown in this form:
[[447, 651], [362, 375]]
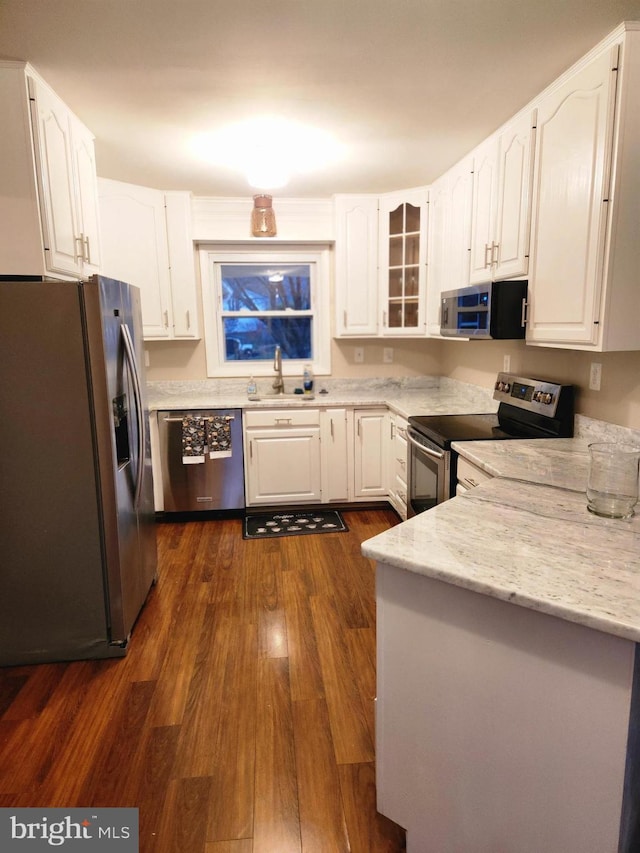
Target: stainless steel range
[[529, 408]]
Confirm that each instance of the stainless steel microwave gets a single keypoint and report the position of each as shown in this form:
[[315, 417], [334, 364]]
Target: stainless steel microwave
[[493, 310]]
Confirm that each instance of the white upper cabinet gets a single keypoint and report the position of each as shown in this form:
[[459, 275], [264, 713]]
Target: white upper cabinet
[[449, 237], [146, 237], [501, 205], [356, 258], [571, 207], [380, 257], [49, 197], [402, 219]]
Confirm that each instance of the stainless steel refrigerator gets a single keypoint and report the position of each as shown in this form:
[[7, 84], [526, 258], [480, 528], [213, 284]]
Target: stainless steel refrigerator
[[77, 534]]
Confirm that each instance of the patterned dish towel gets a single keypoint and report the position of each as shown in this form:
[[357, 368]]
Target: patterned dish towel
[[218, 436], [193, 438]]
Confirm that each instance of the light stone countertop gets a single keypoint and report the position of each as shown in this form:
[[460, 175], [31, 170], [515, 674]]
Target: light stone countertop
[[526, 537], [407, 396]]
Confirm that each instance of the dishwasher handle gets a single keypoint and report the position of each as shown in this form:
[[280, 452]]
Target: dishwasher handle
[[179, 420]]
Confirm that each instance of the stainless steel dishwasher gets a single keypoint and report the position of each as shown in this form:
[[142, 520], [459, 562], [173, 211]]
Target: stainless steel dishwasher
[[214, 484]]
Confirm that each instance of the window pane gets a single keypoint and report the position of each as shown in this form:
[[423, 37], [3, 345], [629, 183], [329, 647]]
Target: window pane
[[256, 337], [259, 287]]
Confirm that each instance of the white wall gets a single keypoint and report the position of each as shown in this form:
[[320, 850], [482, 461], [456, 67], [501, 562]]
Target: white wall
[[618, 401]]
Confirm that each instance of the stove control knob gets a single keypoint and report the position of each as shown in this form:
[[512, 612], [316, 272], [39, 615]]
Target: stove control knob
[[548, 399], [507, 387], [498, 386]]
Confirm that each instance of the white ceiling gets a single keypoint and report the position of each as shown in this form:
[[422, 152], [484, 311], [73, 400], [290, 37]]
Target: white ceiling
[[409, 86]]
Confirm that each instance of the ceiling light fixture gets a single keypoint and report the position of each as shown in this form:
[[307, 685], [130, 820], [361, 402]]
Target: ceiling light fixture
[[269, 150]]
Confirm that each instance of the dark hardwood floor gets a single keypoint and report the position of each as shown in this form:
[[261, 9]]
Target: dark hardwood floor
[[242, 717]]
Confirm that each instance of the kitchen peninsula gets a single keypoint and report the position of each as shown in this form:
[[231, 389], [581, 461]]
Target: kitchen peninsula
[[508, 689]]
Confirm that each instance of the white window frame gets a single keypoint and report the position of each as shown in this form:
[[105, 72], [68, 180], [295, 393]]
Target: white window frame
[[318, 258]]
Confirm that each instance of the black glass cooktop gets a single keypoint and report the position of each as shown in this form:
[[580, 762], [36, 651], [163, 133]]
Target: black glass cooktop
[[443, 429]]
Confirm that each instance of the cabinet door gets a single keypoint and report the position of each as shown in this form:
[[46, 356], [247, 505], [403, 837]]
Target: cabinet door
[[134, 248], [483, 211], [510, 249], [502, 174], [87, 198], [458, 243], [182, 264], [283, 465], [439, 197], [370, 453], [402, 264], [54, 162], [356, 254], [334, 455], [571, 179], [397, 465]]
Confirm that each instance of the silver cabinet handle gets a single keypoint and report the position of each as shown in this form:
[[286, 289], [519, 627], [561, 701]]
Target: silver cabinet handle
[[79, 241], [165, 315], [495, 253], [188, 320], [487, 251], [282, 420], [523, 316], [87, 252]]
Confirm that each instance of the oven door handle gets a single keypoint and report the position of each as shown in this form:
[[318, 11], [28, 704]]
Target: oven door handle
[[427, 450]]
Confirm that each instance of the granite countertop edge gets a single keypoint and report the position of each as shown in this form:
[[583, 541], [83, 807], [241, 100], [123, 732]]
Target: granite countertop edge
[[526, 536]]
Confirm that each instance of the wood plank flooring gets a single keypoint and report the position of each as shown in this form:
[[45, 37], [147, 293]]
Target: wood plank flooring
[[241, 720]]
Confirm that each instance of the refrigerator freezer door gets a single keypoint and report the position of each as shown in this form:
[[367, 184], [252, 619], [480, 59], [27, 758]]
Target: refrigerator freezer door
[[129, 531]]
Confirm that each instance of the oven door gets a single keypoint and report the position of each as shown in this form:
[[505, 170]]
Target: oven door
[[428, 479]]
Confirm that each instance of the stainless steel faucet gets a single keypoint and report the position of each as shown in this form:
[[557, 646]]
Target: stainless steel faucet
[[278, 382]]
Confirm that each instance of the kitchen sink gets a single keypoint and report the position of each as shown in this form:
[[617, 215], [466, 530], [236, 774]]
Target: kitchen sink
[[273, 398]]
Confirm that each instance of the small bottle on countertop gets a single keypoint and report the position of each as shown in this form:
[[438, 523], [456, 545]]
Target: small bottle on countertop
[[252, 388], [307, 379]]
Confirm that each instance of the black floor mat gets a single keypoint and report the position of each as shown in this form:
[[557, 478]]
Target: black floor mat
[[274, 524]]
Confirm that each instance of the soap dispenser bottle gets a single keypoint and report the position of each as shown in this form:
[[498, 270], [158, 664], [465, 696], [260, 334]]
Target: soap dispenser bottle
[[307, 379], [252, 388]]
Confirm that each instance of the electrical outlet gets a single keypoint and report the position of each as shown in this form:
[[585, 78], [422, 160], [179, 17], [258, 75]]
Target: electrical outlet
[[358, 355], [595, 376], [506, 364], [387, 355], [147, 360]]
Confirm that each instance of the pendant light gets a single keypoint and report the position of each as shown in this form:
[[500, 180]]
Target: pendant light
[[263, 218]]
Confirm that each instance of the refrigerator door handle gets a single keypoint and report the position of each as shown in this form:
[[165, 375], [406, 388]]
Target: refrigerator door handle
[[137, 391]]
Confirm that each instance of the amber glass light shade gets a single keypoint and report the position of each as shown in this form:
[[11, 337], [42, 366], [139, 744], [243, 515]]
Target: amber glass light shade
[[263, 219]]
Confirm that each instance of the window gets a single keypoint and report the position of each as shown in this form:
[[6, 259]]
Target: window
[[256, 300]]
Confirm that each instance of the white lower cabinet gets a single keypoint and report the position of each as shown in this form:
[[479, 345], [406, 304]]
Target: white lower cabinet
[[300, 455], [469, 476], [371, 431], [397, 464], [282, 456], [335, 455]]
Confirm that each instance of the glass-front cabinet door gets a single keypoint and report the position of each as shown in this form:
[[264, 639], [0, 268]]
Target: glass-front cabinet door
[[403, 253]]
